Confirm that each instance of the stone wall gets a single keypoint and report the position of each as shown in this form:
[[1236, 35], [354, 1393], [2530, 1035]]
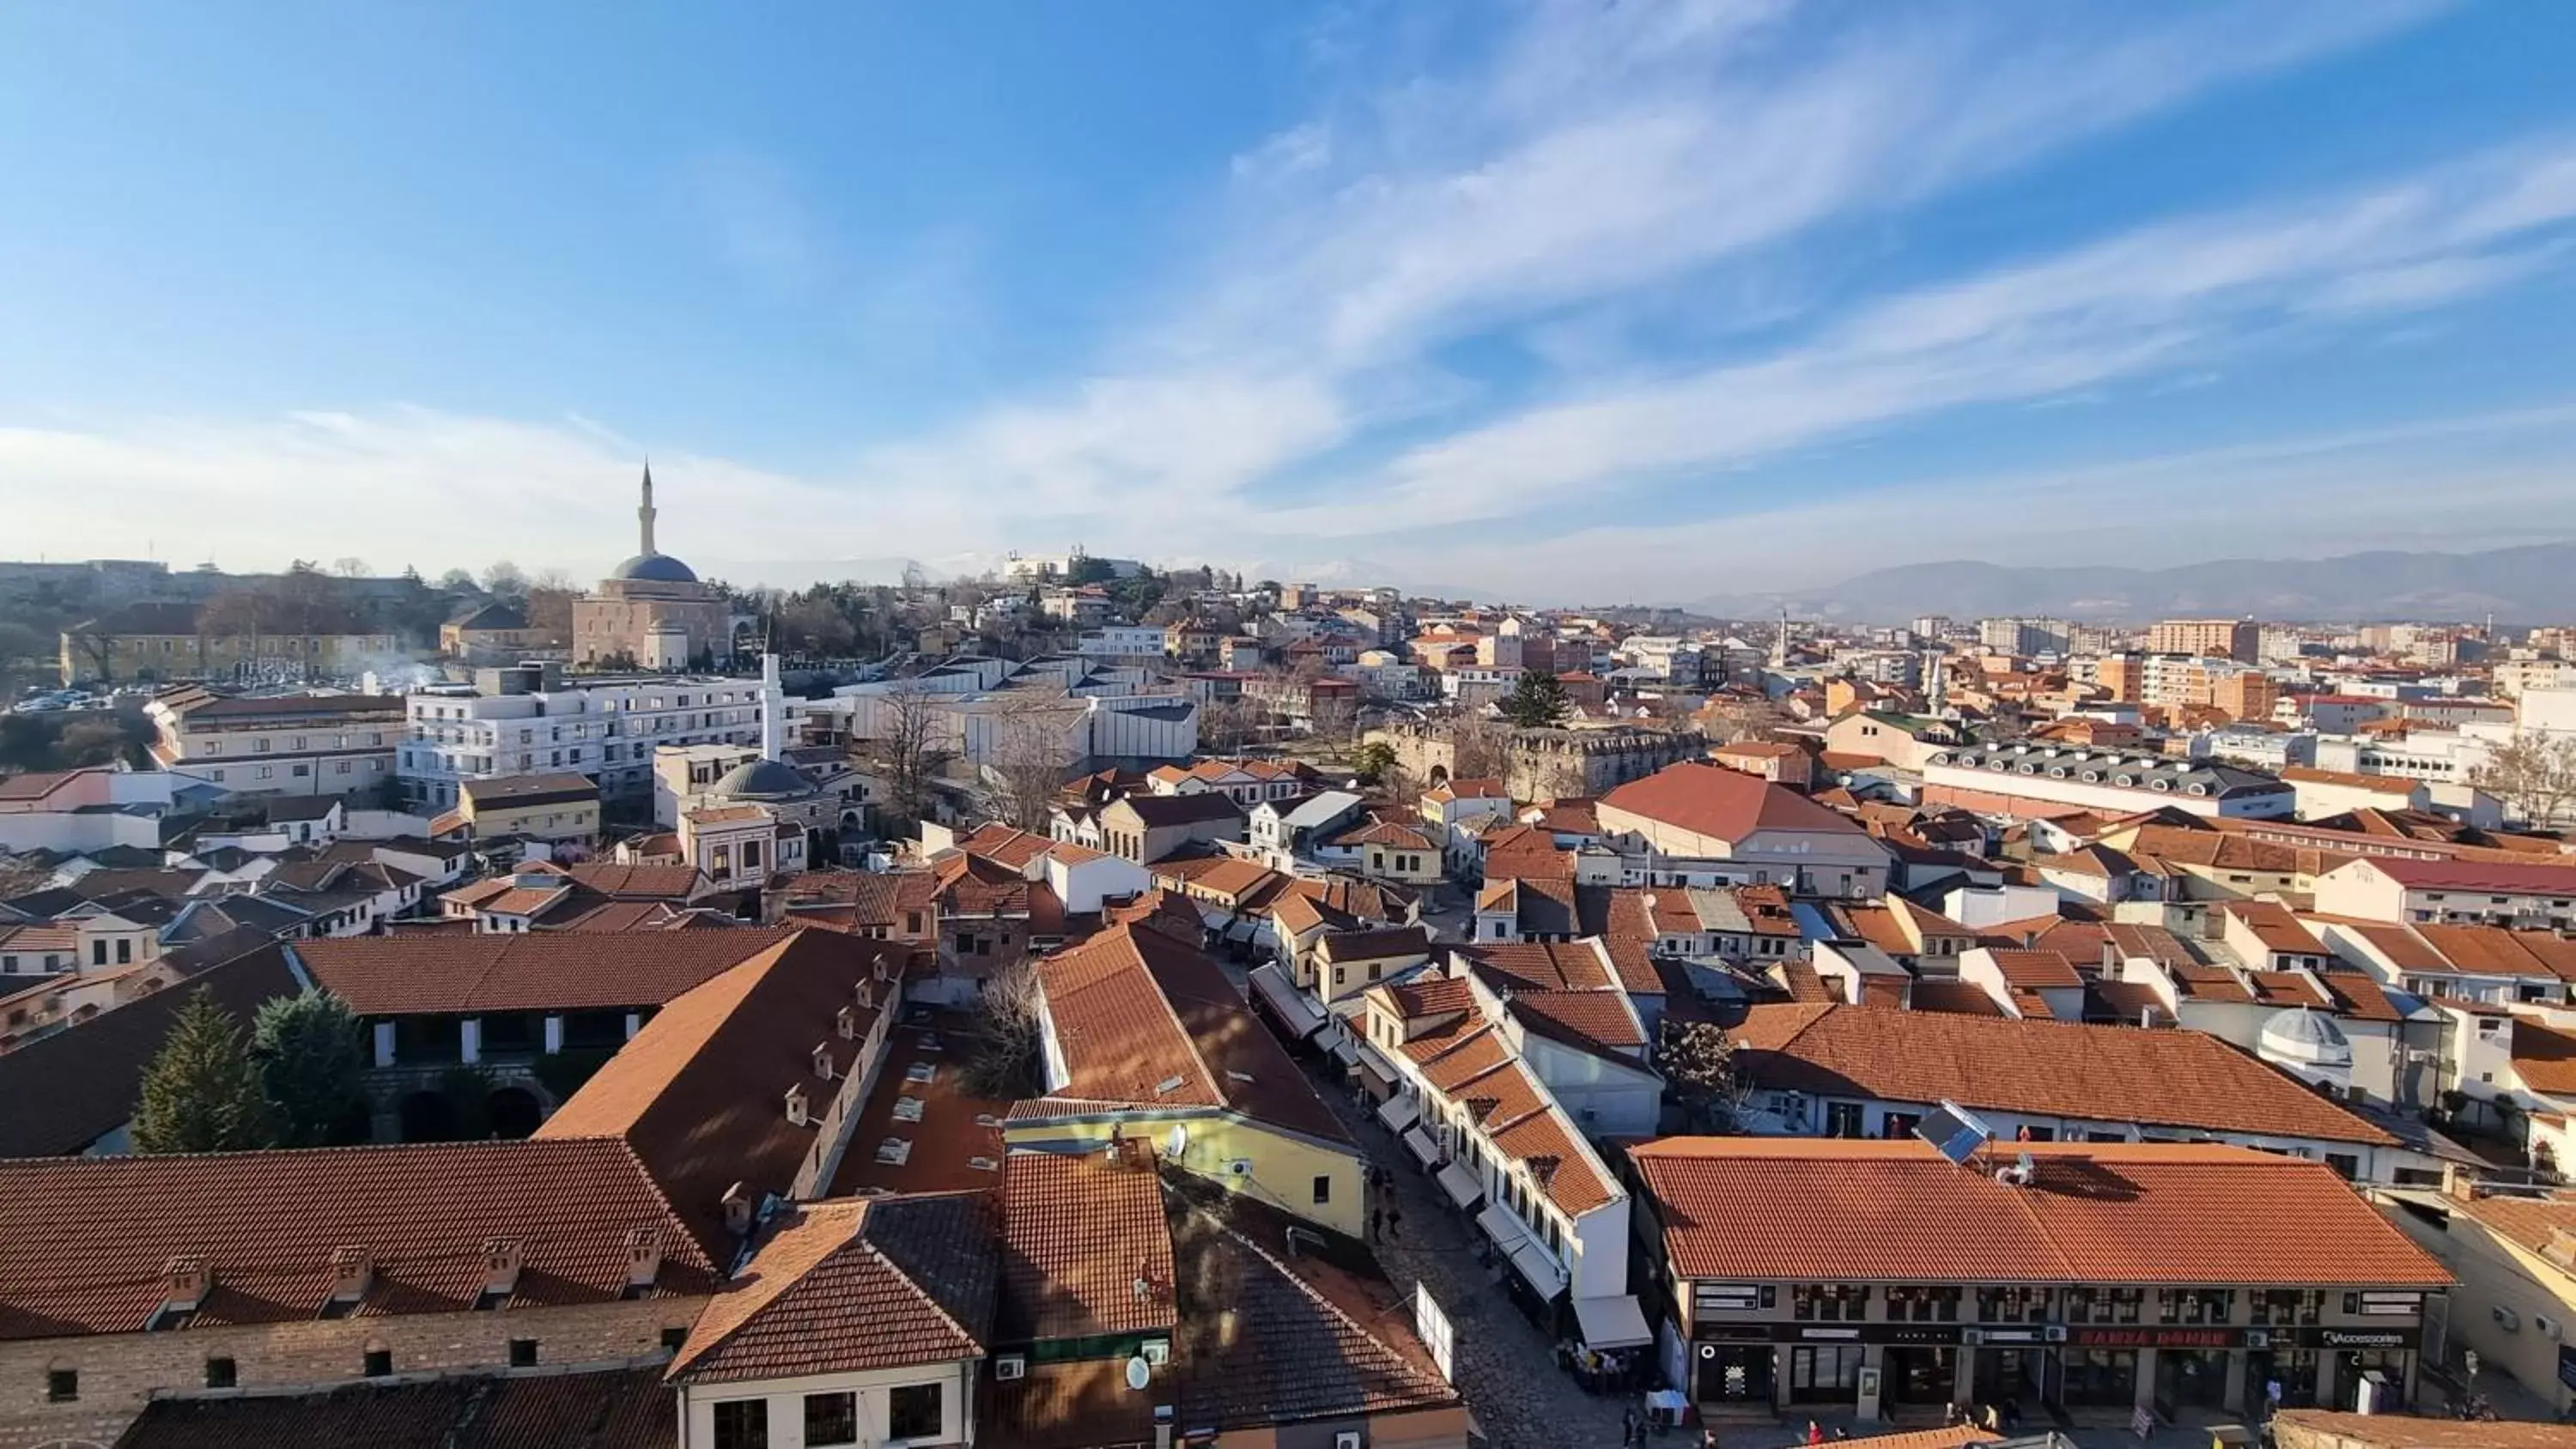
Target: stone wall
[[120, 1372], [1548, 764]]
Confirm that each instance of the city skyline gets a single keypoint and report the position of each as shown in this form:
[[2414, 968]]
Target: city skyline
[[1568, 307]]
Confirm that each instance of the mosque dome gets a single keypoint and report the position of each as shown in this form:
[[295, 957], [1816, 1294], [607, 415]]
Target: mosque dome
[[2304, 1038], [655, 568], [763, 780]]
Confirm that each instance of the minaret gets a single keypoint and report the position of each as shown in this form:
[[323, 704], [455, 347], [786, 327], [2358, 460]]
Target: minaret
[[773, 705], [1780, 645], [644, 515]]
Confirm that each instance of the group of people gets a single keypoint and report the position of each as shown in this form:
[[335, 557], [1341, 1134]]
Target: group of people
[[1993, 1418]]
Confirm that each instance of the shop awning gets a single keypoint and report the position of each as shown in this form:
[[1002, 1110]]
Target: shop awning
[[1380, 1070], [1346, 1051], [1424, 1150], [1398, 1113], [1537, 1269], [1499, 1223], [1460, 1183], [1612, 1322], [1301, 1015]]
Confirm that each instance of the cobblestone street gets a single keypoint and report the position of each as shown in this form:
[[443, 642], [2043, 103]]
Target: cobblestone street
[[1506, 1367]]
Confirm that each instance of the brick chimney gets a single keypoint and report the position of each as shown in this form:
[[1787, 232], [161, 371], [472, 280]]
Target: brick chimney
[[353, 1272], [501, 1260], [186, 1282], [643, 1257]]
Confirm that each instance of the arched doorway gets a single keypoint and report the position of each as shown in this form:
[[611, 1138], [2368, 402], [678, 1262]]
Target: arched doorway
[[513, 1112], [1439, 776], [428, 1117]]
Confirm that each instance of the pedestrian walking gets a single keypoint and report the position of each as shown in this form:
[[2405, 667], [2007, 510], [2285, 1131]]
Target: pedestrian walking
[[1392, 1217], [1627, 1427], [1815, 1432]]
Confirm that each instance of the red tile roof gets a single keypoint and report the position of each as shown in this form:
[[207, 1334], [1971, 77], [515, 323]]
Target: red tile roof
[[615, 1409], [1595, 1021], [2035, 970], [2495, 951], [1724, 804], [2509, 878], [2048, 1069], [700, 1094], [1745, 1207], [547, 971], [86, 1243], [1081, 1232], [843, 1286], [1145, 1020], [2544, 1056], [1540, 965]]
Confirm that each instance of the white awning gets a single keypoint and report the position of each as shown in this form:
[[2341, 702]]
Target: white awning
[[1302, 1016], [1461, 1184], [1612, 1322], [1545, 1278], [1423, 1148], [1501, 1225], [1398, 1113]]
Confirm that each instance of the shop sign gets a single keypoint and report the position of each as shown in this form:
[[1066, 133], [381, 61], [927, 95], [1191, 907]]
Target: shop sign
[[2146, 1337], [2360, 1337]]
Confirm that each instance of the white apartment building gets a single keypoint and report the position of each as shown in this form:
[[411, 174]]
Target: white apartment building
[[1122, 641], [306, 744], [606, 729]]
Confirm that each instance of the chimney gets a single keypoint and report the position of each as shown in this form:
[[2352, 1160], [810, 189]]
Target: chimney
[[353, 1272], [823, 1059], [643, 1257], [186, 1283], [738, 1205], [501, 1259], [797, 1116], [846, 1021], [865, 996]]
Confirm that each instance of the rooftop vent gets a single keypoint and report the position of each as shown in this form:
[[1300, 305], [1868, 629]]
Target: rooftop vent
[[353, 1272], [643, 1258], [797, 1116], [502, 1258]]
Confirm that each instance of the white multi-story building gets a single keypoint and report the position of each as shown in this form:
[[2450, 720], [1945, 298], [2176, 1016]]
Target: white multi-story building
[[606, 729]]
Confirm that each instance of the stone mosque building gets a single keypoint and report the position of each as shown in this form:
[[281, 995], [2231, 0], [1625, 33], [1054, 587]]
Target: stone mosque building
[[652, 613]]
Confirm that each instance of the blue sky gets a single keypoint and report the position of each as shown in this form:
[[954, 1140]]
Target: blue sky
[[1585, 301]]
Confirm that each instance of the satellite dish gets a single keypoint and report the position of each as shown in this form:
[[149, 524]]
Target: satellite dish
[[1177, 1142], [1139, 1373]]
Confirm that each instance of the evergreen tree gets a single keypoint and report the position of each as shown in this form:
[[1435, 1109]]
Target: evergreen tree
[[203, 1092], [312, 1064], [1537, 702]]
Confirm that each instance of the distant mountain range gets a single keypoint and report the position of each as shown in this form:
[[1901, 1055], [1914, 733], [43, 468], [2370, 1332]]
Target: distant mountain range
[[2527, 585]]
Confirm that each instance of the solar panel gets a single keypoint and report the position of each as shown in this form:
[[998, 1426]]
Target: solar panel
[[1954, 1131]]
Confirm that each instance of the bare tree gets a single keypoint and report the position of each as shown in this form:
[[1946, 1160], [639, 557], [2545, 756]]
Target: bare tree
[[505, 577], [1026, 768], [2534, 774], [909, 748], [349, 566], [1005, 1064]]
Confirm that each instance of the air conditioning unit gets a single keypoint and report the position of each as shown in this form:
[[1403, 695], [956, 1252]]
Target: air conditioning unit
[[2053, 1333], [2258, 1338], [1011, 1366], [2548, 1327], [2506, 1318], [1346, 1439]]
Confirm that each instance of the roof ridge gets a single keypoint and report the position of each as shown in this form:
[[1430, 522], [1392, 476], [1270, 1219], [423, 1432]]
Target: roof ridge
[[1408, 1367]]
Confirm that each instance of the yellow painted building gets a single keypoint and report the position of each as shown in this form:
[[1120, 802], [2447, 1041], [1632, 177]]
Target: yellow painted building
[[153, 643], [1313, 1178]]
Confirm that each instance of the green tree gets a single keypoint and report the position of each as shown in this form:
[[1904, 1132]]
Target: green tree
[[311, 1064], [203, 1092], [1373, 761], [1537, 701], [1697, 1064]]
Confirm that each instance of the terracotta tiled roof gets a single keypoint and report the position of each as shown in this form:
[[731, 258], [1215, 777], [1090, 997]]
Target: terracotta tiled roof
[[617, 1409], [85, 1243], [1393, 833], [1081, 1233], [2504, 877], [1540, 965], [2035, 970], [848, 1285], [2386, 1431], [1595, 1021], [1723, 804], [1541, 1142], [2404, 950], [1744, 1207], [2277, 929], [701, 1092], [553, 971], [2048, 1069], [1383, 943], [637, 882], [1146, 1020], [2495, 951], [856, 899], [1461, 1059], [1959, 998], [1429, 996], [1527, 852], [2544, 1056], [1578, 816]]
